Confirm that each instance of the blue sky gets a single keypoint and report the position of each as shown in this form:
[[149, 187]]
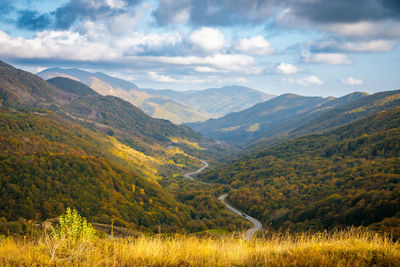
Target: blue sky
[[310, 47]]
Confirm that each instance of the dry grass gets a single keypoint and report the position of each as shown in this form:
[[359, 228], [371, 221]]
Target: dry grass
[[346, 248]]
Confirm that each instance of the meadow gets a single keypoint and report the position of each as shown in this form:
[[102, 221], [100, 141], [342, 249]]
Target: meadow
[[351, 247]]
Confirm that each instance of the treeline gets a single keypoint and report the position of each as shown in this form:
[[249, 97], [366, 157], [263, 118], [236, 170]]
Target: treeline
[[347, 176]]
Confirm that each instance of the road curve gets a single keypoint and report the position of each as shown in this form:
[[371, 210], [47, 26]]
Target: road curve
[[189, 175], [256, 223]]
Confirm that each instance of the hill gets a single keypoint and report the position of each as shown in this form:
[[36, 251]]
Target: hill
[[347, 176], [247, 126], [355, 106], [70, 146], [287, 116]]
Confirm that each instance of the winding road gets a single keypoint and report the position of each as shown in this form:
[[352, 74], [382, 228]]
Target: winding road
[[256, 223]]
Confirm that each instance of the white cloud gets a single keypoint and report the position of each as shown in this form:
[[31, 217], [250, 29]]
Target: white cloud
[[326, 58], [356, 46], [306, 81], [208, 39], [285, 68], [256, 46], [367, 29], [57, 45], [351, 81], [182, 16], [215, 63], [116, 4], [167, 79]]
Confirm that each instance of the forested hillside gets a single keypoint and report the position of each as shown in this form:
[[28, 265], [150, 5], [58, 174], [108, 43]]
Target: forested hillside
[[272, 118], [62, 144], [347, 176], [48, 163]]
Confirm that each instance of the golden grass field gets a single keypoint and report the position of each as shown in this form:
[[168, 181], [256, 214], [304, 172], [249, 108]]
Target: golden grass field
[[353, 247]]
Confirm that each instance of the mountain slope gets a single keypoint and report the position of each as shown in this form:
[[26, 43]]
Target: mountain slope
[[264, 119], [75, 147], [48, 163], [355, 106], [288, 116], [153, 104], [346, 176]]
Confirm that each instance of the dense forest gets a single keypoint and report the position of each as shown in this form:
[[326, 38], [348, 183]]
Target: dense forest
[[346, 176], [48, 163]]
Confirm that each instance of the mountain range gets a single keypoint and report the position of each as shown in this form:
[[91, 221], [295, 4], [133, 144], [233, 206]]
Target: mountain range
[[291, 115], [176, 106]]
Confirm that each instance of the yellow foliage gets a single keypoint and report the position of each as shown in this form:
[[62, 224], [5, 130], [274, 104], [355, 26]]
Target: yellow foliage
[[133, 188], [346, 248]]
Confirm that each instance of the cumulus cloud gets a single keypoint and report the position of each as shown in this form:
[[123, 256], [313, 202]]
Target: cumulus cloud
[[306, 81], [366, 29], [207, 39], [354, 46], [351, 81], [326, 58], [285, 68], [256, 46]]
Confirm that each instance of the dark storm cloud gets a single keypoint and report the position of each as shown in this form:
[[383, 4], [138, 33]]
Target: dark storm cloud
[[230, 12], [32, 20]]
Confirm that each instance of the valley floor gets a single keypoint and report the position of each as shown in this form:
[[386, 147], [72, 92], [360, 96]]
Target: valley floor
[[353, 247]]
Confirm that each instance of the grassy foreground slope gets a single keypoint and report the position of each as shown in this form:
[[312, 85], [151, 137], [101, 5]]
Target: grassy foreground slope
[[346, 176], [347, 248]]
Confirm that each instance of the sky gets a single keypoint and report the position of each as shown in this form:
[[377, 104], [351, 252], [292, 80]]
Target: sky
[[309, 47]]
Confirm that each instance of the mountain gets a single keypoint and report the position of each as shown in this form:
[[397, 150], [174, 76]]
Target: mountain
[[217, 102], [346, 176], [341, 111], [274, 117], [62, 144], [176, 106], [155, 105], [290, 115]]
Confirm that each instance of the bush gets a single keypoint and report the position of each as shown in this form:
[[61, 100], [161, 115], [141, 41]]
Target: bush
[[74, 227]]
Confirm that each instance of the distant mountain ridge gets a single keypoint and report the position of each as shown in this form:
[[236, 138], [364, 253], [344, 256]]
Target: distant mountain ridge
[[218, 101], [176, 106], [291, 115]]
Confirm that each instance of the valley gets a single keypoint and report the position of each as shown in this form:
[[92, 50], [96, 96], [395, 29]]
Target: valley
[[289, 163]]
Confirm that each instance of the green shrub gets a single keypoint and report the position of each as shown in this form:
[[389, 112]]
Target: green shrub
[[74, 227]]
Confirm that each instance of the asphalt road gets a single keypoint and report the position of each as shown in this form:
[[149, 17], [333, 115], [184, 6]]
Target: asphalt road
[[256, 223]]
